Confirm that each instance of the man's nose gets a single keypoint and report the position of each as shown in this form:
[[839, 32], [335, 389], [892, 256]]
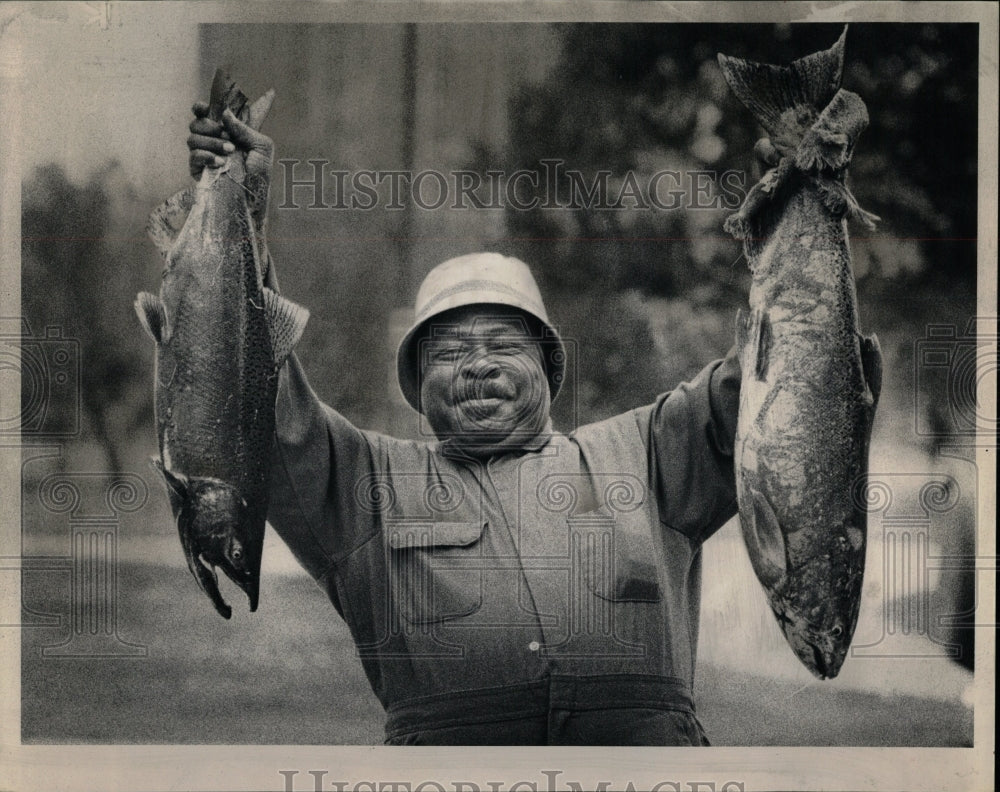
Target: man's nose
[[479, 366]]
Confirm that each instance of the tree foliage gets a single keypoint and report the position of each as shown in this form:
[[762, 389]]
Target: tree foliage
[[76, 260], [646, 98], [644, 296]]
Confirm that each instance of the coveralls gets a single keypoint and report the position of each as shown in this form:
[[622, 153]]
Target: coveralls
[[544, 596]]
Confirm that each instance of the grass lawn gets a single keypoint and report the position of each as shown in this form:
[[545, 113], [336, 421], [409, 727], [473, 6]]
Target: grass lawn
[[288, 675]]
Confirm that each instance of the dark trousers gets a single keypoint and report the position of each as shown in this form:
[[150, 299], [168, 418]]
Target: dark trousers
[[557, 711]]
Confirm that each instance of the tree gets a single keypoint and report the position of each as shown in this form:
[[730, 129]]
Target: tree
[[627, 101], [76, 262]]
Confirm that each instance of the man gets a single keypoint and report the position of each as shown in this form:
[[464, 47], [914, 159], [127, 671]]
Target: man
[[504, 584]]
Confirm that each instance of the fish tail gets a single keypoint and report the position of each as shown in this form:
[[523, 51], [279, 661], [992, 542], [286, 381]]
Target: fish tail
[[829, 142], [226, 94], [166, 221], [786, 99], [813, 124]]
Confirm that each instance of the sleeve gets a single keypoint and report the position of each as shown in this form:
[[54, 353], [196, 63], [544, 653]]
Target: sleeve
[[691, 436], [317, 461]]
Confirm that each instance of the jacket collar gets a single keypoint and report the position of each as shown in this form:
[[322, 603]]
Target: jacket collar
[[512, 445]]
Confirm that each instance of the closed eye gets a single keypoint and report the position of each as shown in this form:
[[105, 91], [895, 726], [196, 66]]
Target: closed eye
[[445, 355]]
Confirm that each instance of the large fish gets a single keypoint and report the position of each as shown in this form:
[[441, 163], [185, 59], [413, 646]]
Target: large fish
[[810, 380], [221, 337]]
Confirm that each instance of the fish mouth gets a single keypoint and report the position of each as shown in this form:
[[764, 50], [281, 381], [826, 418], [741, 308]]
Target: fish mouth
[[823, 663], [247, 582], [821, 655], [206, 558], [820, 666], [253, 593]]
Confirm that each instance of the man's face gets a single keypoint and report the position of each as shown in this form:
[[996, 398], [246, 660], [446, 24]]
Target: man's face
[[483, 380]]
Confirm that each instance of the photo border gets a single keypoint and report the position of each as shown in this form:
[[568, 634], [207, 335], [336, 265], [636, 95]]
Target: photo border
[[158, 767]]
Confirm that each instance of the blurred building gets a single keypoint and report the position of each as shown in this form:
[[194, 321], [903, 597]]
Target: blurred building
[[378, 98]]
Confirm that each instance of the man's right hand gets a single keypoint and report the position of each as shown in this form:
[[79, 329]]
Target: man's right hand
[[208, 142]]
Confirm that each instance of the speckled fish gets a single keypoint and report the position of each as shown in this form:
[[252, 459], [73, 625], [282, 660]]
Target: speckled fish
[[810, 380], [221, 337]]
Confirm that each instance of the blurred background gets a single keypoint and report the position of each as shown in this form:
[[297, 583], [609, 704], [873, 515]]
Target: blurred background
[[647, 296]]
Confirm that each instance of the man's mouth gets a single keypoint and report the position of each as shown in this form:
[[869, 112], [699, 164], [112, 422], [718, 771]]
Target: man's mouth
[[488, 394], [482, 405]]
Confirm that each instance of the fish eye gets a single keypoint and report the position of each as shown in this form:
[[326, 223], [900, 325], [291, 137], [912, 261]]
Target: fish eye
[[837, 631], [237, 554]]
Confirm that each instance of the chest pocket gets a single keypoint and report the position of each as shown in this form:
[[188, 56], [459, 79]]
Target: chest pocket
[[619, 563], [436, 569]]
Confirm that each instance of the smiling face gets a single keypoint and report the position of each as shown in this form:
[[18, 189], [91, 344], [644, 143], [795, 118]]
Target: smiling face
[[483, 382]]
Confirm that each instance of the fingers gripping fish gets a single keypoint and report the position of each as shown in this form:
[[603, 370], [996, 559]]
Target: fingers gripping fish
[[221, 337], [810, 379]]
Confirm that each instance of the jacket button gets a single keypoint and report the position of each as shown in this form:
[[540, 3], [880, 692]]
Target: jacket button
[[534, 646]]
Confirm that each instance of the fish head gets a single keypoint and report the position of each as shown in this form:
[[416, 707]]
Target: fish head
[[819, 630], [820, 649], [217, 517], [217, 529], [818, 607]]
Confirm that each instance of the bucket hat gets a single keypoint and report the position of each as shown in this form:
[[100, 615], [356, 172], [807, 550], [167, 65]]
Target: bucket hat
[[477, 279]]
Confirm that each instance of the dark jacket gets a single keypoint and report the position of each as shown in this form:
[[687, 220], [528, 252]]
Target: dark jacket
[[531, 588]]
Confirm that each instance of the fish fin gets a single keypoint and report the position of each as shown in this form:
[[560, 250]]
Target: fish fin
[[753, 337], [761, 343], [177, 485], [838, 198], [748, 222], [737, 225], [740, 225], [871, 364], [166, 220], [217, 94], [786, 99], [152, 315], [764, 540], [258, 110], [742, 333], [867, 219], [286, 321]]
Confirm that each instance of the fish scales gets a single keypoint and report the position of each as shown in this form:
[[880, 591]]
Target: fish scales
[[221, 337], [810, 379], [208, 349]]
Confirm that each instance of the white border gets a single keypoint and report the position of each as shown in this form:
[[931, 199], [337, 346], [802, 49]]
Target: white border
[[256, 767]]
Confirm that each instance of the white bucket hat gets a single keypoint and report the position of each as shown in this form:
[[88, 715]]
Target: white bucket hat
[[477, 279]]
